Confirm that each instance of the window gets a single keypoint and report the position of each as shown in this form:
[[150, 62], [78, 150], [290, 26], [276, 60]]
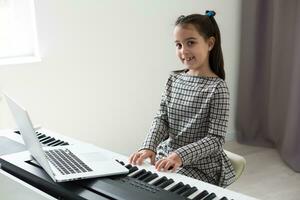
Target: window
[[18, 36]]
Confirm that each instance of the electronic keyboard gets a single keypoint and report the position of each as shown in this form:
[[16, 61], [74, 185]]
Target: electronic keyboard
[[142, 182]]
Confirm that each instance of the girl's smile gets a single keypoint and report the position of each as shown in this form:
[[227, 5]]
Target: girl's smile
[[188, 59]]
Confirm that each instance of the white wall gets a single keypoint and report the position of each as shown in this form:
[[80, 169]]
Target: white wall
[[104, 66]]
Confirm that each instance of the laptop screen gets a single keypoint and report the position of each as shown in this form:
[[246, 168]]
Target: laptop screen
[[27, 132]]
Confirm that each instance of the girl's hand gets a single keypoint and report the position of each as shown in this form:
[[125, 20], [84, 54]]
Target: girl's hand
[[172, 162], [139, 157]]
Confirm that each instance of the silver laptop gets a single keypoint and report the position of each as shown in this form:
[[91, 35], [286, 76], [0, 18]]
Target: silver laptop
[[64, 163]]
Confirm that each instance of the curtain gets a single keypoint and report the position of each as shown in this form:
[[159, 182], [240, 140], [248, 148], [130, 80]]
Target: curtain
[[268, 102]]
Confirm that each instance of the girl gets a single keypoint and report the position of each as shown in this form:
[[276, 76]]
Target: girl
[[188, 133]]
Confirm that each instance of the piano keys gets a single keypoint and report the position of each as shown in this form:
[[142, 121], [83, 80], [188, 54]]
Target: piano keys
[[168, 184], [47, 140], [145, 182]]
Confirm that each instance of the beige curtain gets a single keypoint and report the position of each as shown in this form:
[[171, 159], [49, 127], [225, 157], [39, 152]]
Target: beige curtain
[[268, 110]]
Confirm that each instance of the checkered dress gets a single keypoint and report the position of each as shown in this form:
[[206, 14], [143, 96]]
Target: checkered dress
[[192, 122]]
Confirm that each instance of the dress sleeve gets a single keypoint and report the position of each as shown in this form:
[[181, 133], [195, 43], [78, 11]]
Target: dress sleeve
[[218, 118], [160, 125]]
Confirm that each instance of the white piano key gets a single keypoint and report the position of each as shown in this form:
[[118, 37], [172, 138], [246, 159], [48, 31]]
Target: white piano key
[[133, 173], [169, 186], [151, 182], [194, 194]]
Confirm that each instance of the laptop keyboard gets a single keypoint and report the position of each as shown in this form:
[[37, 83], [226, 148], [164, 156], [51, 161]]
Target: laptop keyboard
[[66, 162]]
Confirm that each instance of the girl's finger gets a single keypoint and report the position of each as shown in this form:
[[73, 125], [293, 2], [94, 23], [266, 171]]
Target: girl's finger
[[152, 159], [175, 167], [131, 158], [141, 159], [168, 165], [135, 157], [161, 165], [158, 163]]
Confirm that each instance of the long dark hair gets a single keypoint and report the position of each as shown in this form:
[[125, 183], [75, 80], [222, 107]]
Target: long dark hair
[[207, 27]]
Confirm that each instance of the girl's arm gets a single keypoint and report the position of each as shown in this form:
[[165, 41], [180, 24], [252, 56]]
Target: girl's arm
[[218, 118], [159, 129]]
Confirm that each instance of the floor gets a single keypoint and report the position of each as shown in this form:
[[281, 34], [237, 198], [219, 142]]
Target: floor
[[266, 176]]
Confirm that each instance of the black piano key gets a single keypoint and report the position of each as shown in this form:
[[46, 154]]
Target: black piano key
[[189, 192], [139, 173], [128, 166], [166, 183], [159, 181], [224, 198], [150, 178], [133, 169], [65, 143], [47, 141], [59, 143], [56, 143], [148, 173], [121, 162], [211, 196], [41, 136], [18, 132], [201, 195], [176, 187], [53, 142], [183, 189], [46, 138]]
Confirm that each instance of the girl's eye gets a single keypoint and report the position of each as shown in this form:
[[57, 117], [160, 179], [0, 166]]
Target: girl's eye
[[178, 46], [190, 43]]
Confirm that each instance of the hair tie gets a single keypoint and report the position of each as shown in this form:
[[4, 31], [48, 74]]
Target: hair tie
[[210, 13]]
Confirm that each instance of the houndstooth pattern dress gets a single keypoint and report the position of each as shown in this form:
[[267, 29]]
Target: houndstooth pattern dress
[[192, 122]]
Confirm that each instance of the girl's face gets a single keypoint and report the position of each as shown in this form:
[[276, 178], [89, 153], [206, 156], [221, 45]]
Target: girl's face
[[192, 49]]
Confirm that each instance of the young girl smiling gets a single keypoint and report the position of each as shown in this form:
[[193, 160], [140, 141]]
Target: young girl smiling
[[188, 132]]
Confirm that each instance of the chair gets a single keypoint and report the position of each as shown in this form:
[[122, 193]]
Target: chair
[[238, 162]]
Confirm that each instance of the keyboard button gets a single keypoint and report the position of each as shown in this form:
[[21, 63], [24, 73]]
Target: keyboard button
[[139, 173], [41, 136], [159, 181], [201, 195], [224, 198], [148, 173], [150, 178], [211, 196], [176, 187], [132, 169], [166, 183], [47, 141], [189, 192], [45, 138], [121, 162], [183, 189], [53, 142], [170, 186], [128, 166], [58, 144]]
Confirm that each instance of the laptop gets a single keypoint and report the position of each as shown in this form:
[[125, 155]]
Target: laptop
[[64, 163]]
